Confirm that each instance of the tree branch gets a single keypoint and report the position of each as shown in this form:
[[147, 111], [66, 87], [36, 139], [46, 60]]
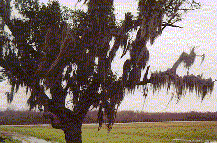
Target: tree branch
[[174, 14], [63, 47], [145, 78], [172, 25]]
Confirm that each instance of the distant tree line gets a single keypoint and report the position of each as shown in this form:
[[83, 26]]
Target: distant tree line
[[135, 116], [10, 117]]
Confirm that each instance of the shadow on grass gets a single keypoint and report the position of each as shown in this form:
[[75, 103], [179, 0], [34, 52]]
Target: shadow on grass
[[2, 139]]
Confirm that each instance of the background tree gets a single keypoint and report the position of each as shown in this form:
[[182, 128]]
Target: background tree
[[53, 45]]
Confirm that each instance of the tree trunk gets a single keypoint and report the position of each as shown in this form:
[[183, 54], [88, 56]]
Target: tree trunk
[[63, 118], [69, 121], [73, 132]]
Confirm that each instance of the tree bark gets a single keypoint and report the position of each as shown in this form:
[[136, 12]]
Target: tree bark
[[73, 132], [72, 127], [70, 121]]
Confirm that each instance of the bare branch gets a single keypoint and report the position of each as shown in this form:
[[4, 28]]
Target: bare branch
[[172, 25], [63, 47], [145, 78], [174, 14], [187, 9]]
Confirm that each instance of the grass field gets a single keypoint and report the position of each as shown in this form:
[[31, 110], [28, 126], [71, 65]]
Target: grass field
[[136, 132]]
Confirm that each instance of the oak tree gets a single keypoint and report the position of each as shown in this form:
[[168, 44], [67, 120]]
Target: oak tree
[[51, 45]]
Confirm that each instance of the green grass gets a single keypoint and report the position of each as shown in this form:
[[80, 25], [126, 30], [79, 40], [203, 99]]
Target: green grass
[[137, 132]]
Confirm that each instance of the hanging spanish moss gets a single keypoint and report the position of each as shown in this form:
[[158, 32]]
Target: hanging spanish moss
[[189, 59], [110, 103], [152, 14], [181, 84]]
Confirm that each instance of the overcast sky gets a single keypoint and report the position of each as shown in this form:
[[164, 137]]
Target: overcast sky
[[199, 30]]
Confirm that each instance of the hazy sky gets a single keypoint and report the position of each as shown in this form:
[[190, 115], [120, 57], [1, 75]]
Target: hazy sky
[[199, 30]]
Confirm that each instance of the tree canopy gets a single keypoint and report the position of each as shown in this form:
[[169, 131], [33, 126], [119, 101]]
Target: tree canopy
[[52, 45]]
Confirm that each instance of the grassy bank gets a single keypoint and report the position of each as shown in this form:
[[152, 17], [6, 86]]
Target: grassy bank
[[137, 132]]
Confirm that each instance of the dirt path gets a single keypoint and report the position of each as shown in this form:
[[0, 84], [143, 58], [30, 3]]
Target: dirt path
[[22, 138]]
